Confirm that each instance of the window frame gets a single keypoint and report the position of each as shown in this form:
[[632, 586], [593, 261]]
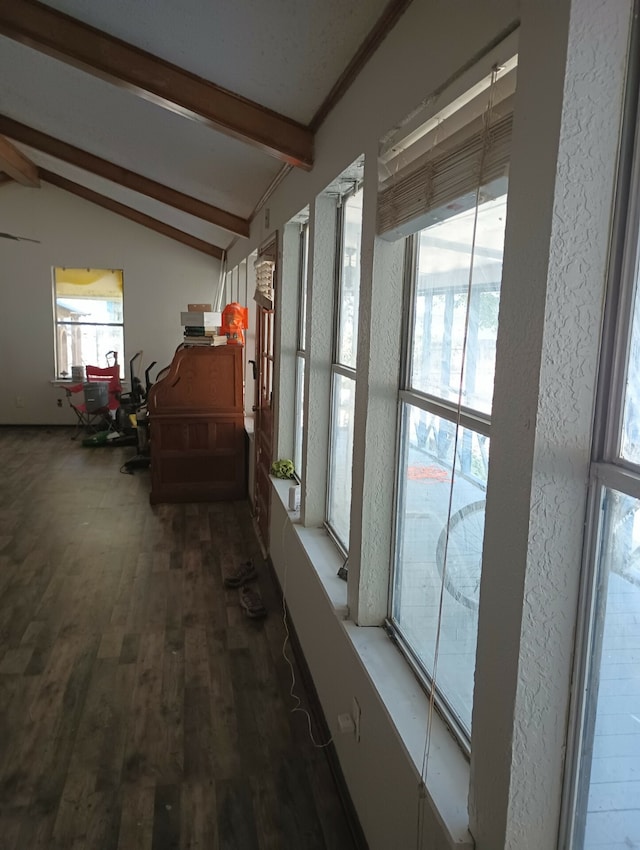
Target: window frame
[[336, 367], [301, 347], [460, 416], [57, 324]]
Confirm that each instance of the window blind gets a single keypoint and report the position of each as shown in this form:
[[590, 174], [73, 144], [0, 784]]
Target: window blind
[[446, 182]]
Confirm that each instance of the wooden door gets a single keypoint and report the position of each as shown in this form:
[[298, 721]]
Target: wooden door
[[264, 420]]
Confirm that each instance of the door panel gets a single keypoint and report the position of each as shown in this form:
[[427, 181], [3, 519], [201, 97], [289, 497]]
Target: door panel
[[264, 414]]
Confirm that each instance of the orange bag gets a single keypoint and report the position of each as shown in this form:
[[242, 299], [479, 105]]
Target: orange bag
[[235, 319]]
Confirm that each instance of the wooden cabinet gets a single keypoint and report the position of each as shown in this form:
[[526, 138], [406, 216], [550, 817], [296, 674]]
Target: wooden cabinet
[[196, 418]]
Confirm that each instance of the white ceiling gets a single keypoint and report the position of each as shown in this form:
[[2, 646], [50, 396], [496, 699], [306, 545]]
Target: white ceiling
[[283, 54]]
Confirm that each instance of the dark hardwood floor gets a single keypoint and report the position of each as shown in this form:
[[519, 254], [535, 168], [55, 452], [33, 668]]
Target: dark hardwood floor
[[139, 708]]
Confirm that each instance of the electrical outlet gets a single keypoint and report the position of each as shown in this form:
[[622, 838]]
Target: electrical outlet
[[355, 714], [19, 401], [345, 724]]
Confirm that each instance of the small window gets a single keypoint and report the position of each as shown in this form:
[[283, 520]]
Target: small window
[[444, 188], [349, 280], [88, 313], [343, 368], [301, 349], [445, 409]]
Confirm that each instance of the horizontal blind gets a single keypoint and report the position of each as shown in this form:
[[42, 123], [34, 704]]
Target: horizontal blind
[[444, 178]]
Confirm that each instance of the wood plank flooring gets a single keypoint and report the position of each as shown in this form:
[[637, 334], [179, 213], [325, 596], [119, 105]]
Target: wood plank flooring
[[139, 708]]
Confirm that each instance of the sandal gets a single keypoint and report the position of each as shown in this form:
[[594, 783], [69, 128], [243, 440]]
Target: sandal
[[240, 575], [251, 603]]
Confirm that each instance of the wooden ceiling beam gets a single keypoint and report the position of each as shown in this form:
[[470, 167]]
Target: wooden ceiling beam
[[385, 23], [16, 165], [131, 214], [122, 176], [150, 77]]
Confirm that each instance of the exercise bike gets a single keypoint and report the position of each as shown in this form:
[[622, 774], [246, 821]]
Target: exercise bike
[[138, 409]]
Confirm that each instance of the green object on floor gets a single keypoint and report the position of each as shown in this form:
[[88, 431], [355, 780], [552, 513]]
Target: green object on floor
[[99, 439]]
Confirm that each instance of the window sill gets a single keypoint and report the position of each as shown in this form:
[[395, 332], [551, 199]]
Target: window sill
[[68, 382], [395, 685], [321, 550]]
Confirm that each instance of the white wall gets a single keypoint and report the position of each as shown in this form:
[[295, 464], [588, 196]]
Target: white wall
[[160, 277]]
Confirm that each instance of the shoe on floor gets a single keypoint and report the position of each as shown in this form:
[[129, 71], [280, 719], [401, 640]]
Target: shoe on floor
[[251, 603], [240, 574]]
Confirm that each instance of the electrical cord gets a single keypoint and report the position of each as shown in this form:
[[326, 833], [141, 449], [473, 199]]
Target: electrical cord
[[297, 701]]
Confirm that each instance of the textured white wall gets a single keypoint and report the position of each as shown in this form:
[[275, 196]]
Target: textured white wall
[[317, 378], [566, 135], [376, 406], [160, 277]]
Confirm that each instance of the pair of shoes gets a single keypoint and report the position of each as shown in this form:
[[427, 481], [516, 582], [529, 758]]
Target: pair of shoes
[[251, 603], [240, 575]]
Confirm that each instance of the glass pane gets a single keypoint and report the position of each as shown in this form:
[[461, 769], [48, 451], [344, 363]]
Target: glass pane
[[340, 458], [609, 803], [630, 444], [88, 295], [350, 281], [446, 252], [304, 272], [431, 552], [299, 416], [87, 345], [99, 310]]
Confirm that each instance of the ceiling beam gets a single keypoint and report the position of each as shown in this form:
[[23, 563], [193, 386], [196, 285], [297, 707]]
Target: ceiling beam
[[122, 176], [16, 165], [131, 214], [150, 77], [4, 178]]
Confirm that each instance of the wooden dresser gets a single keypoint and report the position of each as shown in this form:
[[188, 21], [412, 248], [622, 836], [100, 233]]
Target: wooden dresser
[[196, 419]]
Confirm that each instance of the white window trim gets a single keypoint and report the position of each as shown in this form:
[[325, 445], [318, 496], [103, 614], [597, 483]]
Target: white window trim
[[337, 367]]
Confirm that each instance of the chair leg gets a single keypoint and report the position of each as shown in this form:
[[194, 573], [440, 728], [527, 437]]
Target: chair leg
[[81, 423]]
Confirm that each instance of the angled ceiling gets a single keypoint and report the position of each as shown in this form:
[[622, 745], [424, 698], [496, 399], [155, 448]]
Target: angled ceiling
[[179, 120]]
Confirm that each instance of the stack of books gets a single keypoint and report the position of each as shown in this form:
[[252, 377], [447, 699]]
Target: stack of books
[[216, 339], [202, 327]]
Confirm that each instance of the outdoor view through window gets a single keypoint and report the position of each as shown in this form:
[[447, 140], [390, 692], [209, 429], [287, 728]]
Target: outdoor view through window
[[88, 317], [444, 456]]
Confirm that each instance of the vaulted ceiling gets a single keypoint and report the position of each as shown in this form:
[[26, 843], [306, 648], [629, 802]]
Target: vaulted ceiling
[[182, 117]]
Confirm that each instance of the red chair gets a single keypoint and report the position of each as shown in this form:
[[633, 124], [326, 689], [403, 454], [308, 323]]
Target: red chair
[[110, 374], [95, 410]]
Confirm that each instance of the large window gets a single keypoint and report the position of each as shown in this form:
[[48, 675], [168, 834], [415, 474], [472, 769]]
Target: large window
[[343, 368], [454, 275], [301, 348], [88, 317], [604, 797]]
